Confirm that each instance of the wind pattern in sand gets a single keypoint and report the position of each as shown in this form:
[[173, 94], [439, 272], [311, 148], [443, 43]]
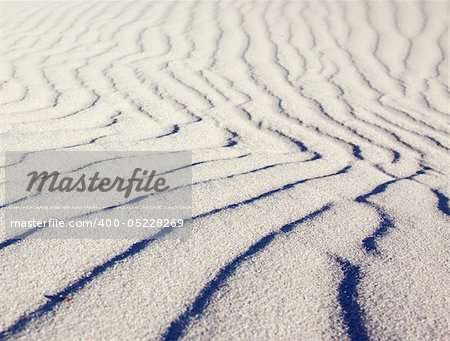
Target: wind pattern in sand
[[320, 135]]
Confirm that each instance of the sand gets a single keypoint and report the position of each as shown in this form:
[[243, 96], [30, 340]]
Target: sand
[[320, 141]]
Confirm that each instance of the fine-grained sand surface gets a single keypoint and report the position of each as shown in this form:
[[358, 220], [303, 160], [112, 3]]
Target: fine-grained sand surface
[[320, 140]]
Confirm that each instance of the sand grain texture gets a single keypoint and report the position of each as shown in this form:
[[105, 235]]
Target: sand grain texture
[[320, 135]]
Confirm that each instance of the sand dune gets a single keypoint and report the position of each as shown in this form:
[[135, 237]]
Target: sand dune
[[320, 141]]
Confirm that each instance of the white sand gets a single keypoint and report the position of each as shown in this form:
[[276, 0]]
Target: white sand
[[358, 250]]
